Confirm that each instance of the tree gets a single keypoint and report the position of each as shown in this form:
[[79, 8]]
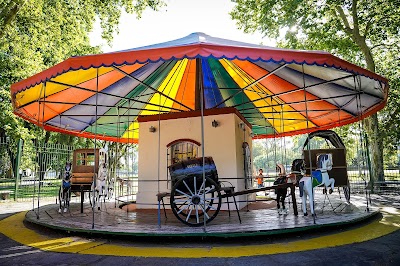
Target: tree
[[356, 30], [37, 34]]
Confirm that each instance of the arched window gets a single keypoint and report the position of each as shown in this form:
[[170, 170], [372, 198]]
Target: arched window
[[182, 149]]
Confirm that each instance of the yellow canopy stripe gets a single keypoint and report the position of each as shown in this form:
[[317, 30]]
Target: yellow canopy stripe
[[72, 78], [169, 87], [279, 115]]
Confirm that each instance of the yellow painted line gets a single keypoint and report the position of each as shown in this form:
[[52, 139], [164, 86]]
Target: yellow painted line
[[14, 228]]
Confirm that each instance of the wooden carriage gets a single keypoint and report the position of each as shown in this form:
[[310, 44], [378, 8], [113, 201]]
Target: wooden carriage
[[84, 170], [194, 198], [191, 196]]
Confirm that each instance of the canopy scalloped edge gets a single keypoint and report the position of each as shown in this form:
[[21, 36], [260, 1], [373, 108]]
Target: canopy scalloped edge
[[195, 51]]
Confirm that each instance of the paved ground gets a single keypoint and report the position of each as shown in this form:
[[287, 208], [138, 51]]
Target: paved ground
[[383, 250]]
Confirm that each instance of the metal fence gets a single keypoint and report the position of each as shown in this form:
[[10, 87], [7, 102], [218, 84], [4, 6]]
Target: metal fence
[[43, 169], [7, 178], [43, 174]]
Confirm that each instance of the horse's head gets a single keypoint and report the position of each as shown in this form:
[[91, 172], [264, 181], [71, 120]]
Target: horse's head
[[68, 166], [298, 166], [324, 161], [103, 155], [67, 173], [280, 169]]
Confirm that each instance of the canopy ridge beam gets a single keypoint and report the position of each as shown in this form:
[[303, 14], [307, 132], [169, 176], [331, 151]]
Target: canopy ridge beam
[[250, 87], [304, 101], [108, 94], [105, 126], [79, 121], [293, 111], [114, 123], [99, 105], [348, 103], [296, 90], [151, 88], [252, 84], [288, 119]]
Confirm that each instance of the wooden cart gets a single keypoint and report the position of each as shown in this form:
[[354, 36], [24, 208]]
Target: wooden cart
[[194, 199], [84, 170]]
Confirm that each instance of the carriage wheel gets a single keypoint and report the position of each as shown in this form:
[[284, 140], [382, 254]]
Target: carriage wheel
[[195, 201]]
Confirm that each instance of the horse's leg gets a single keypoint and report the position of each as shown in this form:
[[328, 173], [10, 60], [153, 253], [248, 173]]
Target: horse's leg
[[309, 189], [60, 199], [303, 196], [311, 198], [278, 207], [283, 196], [98, 198], [105, 189], [64, 199], [332, 181], [68, 197]]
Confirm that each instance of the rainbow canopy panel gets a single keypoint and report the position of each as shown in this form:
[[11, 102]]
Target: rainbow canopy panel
[[280, 92]]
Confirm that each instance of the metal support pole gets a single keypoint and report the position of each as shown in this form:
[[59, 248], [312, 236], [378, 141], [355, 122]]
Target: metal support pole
[[17, 166]]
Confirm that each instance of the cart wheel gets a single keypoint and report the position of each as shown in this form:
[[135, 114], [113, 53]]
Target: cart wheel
[[191, 199], [346, 191]]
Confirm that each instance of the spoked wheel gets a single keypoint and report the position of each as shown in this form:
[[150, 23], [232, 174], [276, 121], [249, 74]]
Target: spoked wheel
[[191, 200]]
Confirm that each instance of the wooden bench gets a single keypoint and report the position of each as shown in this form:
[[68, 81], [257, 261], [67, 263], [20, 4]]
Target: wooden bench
[[82, 178]]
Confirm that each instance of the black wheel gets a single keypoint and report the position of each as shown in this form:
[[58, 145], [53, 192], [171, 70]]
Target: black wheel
[[191, 200]]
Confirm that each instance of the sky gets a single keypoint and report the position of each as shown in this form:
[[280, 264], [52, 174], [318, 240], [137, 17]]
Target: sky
[[178, 19]]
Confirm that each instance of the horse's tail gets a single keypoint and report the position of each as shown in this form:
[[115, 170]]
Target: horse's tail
[[301, 188]]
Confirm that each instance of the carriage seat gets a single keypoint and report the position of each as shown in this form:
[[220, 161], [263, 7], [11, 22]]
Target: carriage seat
[[82, 178]]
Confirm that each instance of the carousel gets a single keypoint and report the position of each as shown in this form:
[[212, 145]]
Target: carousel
[[194, 105]]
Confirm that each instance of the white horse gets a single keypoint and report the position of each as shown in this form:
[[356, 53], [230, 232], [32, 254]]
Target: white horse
[[320, 177], [101, 188]]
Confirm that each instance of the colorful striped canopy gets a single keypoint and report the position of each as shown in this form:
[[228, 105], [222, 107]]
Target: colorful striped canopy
[[280, 92]]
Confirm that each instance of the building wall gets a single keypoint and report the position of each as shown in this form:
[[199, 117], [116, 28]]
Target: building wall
[[223, 143]]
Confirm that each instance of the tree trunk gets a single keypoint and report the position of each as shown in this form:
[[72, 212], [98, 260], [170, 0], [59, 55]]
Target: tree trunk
[[372, 128], [372, 123], [375, 148], [8, 13]]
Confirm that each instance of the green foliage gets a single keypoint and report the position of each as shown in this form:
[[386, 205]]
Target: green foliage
[[268, 152], [328, 25], [364, 32], [37, 34]]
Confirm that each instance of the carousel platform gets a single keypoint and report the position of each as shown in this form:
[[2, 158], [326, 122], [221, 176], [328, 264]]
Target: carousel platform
[[260, 218]]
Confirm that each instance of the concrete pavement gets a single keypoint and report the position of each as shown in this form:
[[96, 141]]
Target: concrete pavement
[[294, 249]]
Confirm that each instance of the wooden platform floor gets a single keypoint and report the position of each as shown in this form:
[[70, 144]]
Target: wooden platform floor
[[260, 218]]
